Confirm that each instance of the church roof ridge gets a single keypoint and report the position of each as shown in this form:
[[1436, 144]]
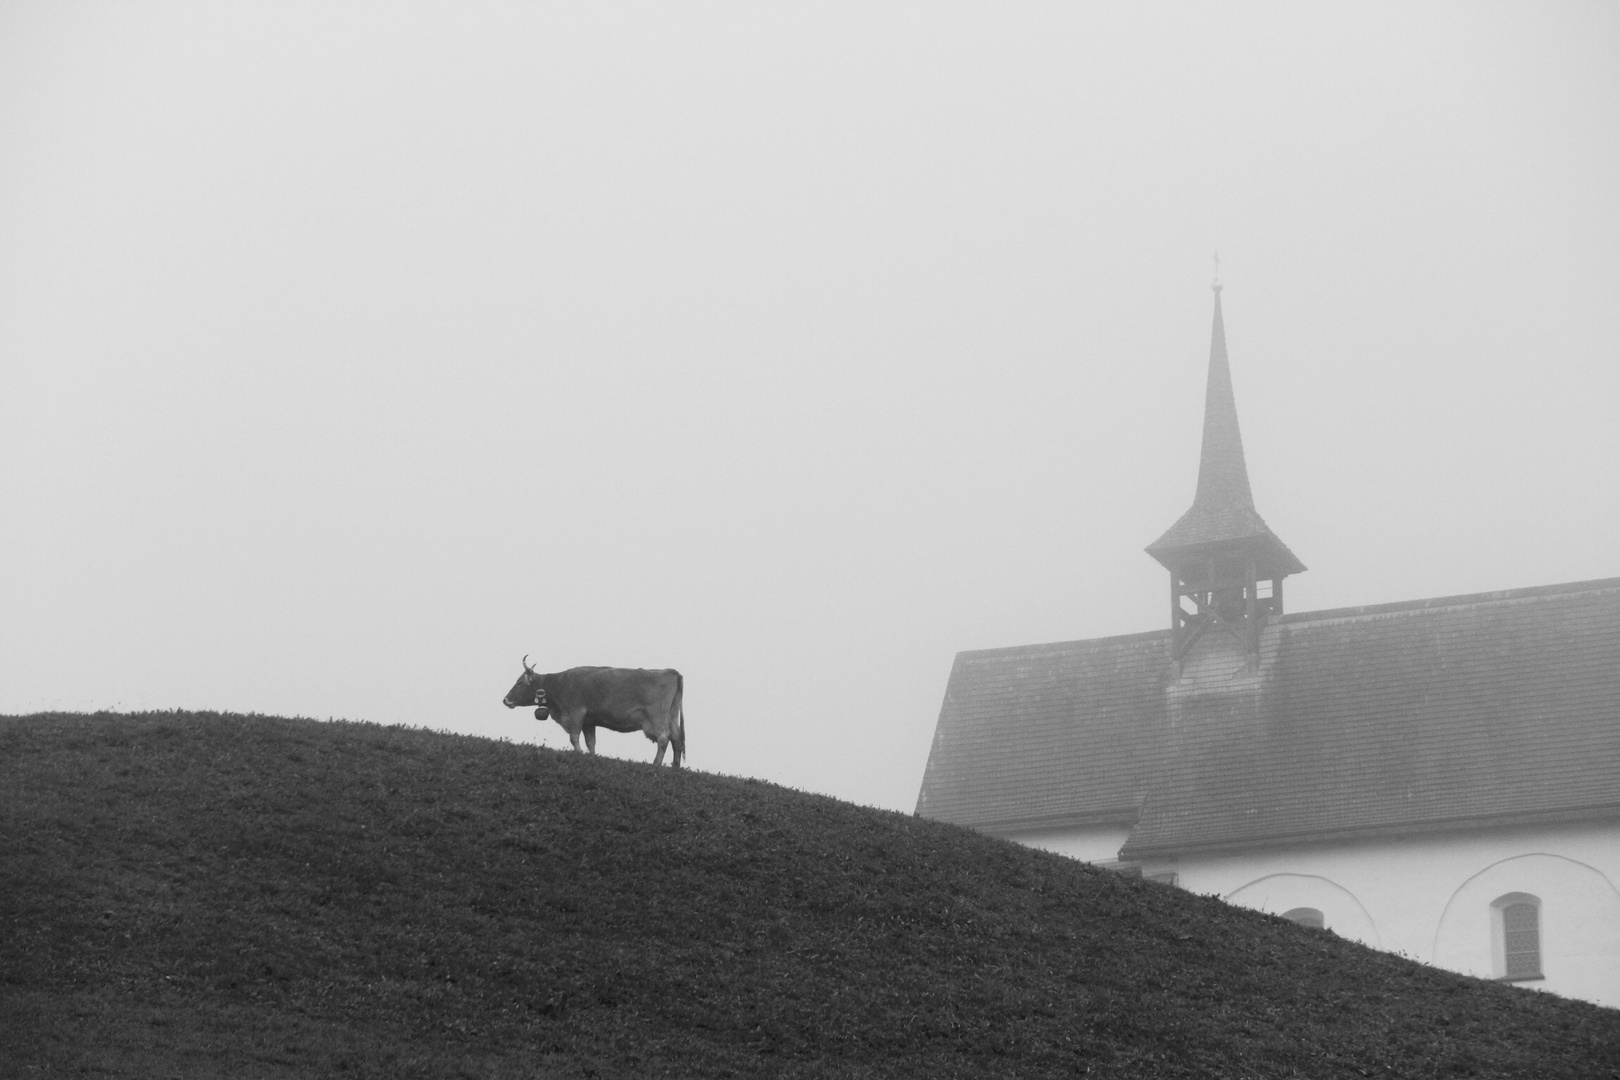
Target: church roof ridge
[[1297, 618], [1458, 600], [1066, 645]]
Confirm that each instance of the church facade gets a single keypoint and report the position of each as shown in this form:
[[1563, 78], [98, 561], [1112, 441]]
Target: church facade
[[1439, 778]]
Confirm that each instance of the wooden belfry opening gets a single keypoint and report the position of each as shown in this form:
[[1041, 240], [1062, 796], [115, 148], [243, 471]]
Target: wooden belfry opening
[[1226, 566], [1224, 594]]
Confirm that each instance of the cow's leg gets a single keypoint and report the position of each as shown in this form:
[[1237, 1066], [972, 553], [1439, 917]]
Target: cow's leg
[[573, 724], [543, 713], [677, 724], [590, 738], [677, 741], [663, 744]]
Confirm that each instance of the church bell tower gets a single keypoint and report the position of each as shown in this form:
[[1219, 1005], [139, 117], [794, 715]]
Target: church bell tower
[[1226, 567]]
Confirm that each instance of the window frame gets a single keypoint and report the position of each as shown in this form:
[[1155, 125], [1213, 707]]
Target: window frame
[[1500, 931]]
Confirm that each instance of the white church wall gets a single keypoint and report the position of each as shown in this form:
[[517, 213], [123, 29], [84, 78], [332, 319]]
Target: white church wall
[[1341, 911], [1430, 898], [1579, 923], [1093, 844]]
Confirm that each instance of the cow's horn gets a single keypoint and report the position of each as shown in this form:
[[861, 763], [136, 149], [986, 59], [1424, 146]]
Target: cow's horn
[[526, 666]]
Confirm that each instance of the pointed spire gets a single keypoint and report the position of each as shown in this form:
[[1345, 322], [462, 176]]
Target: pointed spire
[[1222, 514], [1223, 475]]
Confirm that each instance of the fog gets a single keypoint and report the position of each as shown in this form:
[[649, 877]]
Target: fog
[[348, 353]]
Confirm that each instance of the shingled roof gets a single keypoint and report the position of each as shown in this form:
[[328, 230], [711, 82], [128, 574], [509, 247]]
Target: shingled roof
[[1047, 734], [1456, 712]]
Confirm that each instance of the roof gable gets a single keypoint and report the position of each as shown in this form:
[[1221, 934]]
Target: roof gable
[[1047, 733]]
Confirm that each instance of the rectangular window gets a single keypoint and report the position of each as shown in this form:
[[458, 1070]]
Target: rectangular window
[[1521, 942]]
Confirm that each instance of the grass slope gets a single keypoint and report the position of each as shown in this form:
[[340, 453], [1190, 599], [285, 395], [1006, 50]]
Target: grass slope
[[193, 895]]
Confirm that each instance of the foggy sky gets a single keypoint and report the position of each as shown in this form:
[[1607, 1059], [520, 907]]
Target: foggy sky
[[350, 352]]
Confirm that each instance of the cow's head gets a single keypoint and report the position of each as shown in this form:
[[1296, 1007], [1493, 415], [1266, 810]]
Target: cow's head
[[527, 690]]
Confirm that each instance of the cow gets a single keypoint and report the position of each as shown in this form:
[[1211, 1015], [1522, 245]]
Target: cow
[[583, 699]]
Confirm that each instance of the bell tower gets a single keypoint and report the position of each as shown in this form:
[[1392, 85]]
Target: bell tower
[[1226, 566]]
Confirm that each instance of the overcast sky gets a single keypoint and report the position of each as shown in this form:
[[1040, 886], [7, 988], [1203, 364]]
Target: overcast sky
[[350, 352]]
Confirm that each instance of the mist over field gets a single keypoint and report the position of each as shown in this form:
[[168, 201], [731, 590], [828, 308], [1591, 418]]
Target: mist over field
[[348, 354]]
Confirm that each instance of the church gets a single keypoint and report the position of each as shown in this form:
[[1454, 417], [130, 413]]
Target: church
[[1436, 777]]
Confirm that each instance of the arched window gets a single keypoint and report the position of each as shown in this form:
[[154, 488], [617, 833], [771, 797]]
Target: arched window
[[1516, 926], [1305, 916]]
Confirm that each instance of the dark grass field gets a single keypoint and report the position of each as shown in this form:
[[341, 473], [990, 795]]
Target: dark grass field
[[197, 895]]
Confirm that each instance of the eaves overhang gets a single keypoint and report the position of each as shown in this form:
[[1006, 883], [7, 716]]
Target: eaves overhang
[[1606, 811], [1118, 815], [1273, 557]]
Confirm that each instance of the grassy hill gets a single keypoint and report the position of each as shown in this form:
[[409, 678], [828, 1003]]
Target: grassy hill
[[203, 895]]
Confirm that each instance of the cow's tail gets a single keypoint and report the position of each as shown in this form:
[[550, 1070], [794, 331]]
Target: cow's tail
[[678, 735]]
